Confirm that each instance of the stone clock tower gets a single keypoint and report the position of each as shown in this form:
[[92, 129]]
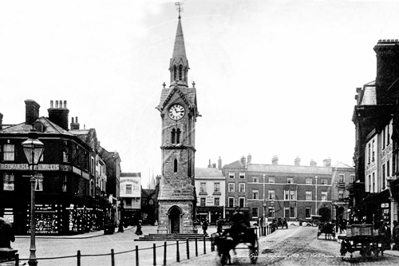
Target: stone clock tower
[[178, 109]]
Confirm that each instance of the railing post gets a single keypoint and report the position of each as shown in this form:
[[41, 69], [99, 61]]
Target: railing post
[[137, 255], [112, 257], [155, 254], [164, 253], [196, 247], [204, 245], [17, 259], [78, 257], [187, 249], [177, 251]]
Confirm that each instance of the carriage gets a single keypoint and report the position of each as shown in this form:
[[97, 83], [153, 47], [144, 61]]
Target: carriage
[[363, 238], [328, 229], [224, 243]]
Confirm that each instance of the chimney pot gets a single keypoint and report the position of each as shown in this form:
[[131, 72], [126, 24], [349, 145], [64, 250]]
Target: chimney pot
[[32, 109]]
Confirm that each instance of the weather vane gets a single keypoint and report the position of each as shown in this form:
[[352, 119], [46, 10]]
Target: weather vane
[[178, 7]]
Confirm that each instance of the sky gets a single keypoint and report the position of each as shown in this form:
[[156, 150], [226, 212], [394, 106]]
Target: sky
[[273, 77]]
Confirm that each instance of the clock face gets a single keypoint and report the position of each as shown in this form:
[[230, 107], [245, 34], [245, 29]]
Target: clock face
[[176, 111]]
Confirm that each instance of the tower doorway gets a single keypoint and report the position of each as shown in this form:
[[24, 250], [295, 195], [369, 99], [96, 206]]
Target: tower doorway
[[174, 220]]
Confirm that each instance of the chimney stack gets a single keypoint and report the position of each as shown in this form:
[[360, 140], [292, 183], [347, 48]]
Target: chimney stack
[[275, 160], [59, 114], [297, 161], [74, 124], [214, 165], [313, 163], [220, 163], [249, 159], [31, 111], [243, 161], [327, 162], [387, 52], [209, 164], [1, 121]]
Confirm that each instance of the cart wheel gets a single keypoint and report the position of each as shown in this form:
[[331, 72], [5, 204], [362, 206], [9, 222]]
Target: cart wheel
[[254, 252]]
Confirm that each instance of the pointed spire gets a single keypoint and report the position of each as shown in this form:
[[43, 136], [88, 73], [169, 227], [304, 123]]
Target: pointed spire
[[179, 64]]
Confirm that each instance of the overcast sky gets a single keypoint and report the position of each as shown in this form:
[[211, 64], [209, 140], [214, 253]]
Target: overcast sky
[[273, 77]]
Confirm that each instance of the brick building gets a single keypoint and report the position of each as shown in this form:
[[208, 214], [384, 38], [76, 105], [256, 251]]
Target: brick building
[[70, 196], [296, 192]]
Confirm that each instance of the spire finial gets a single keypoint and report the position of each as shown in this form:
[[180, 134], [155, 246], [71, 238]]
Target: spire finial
[[179, 8]]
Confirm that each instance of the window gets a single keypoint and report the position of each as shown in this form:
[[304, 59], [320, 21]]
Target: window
[[232, 175], [383, 176], [92, 165], [203, 187], [307, 212], [308, 195], [254, 212], [373, 182], [290, 180], [242, 175], [175, 165], [241, 202], [216, 201], [292, 195], [340, 194], [271, 195], [388, 135], [271, 212], [8, 182], [175, 136], [324, 181], [202, 202], [323, 196], [272, 180], [352, 178], [8, 152], [92, 188], [241, 187], [129, 189], [255, 179], [216, 187], [128, 203], [369, 153], [341, 178], [232, 187], [292, 212], [231, 202], [255, 194], [308, 180], [372, 151], [286, 194]]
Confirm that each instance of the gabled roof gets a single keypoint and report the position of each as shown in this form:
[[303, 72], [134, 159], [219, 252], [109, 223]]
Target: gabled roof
[[342, 165], [236, 164], [187, 94], [48, 127]]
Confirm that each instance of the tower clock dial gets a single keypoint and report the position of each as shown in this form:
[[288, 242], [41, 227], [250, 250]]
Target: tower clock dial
[[176, 112]]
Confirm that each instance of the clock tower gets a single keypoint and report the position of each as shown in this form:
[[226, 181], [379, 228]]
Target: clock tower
[[178, 110]]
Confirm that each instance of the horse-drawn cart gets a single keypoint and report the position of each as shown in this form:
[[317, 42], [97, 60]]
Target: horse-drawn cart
[[225, 243], [362, 238]]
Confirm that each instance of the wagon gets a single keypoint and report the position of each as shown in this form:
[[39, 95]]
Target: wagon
[[249, 238], [362, 238], [327, 229]]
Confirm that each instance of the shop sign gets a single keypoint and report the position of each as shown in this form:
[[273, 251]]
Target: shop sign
[[24, 166]]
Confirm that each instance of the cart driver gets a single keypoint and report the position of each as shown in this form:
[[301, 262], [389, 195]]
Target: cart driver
[[239, 224]]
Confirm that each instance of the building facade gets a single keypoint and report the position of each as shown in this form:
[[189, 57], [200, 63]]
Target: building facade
[[375, 191], [210, 188], [270, 191], [130, 197], [68, 201]]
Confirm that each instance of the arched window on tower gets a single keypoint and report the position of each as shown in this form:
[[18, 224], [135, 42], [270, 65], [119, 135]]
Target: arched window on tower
[[180, 72], [173, 135], [178, 136], [175, 165], [174, 72]]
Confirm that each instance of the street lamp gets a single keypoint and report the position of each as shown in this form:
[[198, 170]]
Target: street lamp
[[316, 195], [33, 149]]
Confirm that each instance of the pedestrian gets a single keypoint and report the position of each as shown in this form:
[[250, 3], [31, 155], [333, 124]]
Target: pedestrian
[[396, 235], [138, 229], [205, 227]]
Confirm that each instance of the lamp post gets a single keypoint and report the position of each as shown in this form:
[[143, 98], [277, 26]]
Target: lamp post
[[315, 210], [33, 149]]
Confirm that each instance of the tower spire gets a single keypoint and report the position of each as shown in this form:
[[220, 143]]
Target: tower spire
[[179, 64]]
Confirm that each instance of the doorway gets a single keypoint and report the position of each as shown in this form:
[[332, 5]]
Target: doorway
[[174, 220]]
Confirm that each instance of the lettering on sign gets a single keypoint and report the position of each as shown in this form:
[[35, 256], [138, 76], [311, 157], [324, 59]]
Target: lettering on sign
[[25, 166]]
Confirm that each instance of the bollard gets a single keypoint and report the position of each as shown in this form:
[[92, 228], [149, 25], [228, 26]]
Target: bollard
[[204, 245], [177, 251], [196, 247], [137, 255], [155, 254], [112, 257], [187, 249], [17, 259], [164, 253], [78, 257]]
